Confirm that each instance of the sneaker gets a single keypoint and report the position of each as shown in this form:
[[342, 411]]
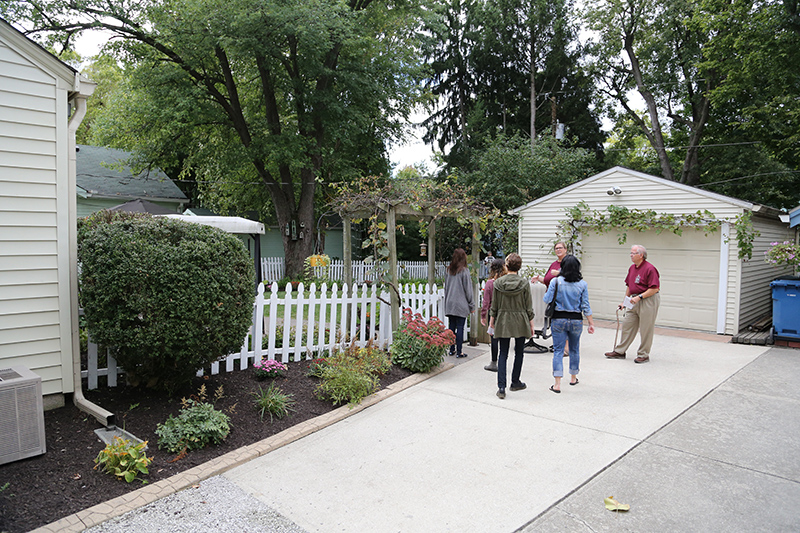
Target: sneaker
[[461, 355], [642, 359], [491, 367], [615, 355], [501, 393], [518, 386]]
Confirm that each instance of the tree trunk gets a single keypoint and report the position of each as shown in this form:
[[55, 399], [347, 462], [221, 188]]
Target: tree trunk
[[655, 136], [690, 175], [295, 221]]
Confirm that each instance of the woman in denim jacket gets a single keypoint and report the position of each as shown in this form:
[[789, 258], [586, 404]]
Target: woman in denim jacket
[[572, 303]]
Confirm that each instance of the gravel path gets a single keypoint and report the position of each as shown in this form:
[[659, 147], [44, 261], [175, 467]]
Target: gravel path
[[189, 511]]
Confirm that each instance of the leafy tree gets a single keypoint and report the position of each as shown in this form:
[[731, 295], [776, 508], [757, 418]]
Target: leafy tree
[[265, 98], [756, 52], [649, 46], [509, 174]]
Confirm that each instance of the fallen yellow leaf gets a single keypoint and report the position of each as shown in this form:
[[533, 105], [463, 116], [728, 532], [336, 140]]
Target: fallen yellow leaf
[[614, 505]]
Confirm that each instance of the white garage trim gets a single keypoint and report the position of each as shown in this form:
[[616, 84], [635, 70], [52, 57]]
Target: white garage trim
[[722, 298]]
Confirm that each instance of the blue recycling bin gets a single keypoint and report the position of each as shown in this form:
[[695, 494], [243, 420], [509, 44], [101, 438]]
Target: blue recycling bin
[[786, 307]]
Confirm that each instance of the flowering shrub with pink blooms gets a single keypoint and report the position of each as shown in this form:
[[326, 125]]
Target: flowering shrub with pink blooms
[[783, 253], [268, 368], [420, 346]]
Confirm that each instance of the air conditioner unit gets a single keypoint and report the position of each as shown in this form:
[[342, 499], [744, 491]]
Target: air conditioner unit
[[21, 414]]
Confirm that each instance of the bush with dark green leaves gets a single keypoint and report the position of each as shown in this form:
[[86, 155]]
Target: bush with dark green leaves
[[169, 297]]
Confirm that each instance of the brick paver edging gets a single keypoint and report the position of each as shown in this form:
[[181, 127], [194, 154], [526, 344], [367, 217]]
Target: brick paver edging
[[133, 500]]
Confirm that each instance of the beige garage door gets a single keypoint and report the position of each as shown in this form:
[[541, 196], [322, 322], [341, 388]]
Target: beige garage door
[[689, 268]]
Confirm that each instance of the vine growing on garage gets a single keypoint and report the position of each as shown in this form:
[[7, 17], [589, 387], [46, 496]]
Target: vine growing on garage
[[621, 219]]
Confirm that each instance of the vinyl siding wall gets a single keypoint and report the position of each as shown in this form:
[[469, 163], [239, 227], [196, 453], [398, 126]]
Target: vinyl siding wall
[[756, 294], [34, 249]]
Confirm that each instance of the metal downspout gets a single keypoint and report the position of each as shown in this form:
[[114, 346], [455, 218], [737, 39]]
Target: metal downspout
[[102, 415]]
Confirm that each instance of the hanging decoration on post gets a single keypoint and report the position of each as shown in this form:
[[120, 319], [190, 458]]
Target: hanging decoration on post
[[423, 249]]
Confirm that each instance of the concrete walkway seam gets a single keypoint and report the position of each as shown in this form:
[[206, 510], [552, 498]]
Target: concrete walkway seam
[[634, 447]]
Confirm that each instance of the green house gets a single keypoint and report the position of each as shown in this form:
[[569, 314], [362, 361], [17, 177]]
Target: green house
[[104, 180]]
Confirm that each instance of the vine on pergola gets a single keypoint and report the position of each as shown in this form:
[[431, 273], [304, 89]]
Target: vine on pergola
[[622, 219], [420, 198]]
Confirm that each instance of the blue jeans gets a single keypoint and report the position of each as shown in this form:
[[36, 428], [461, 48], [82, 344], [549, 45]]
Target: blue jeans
[[495, 348], [502, 363], [566, 329], [456, 325]]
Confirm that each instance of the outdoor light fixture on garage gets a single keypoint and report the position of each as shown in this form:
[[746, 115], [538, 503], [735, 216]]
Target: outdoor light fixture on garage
[[614, 190]]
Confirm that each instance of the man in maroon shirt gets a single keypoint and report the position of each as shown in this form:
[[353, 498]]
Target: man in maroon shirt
[[643, 285]]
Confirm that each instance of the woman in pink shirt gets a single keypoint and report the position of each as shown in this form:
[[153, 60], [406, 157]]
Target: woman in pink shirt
[[552, 272]]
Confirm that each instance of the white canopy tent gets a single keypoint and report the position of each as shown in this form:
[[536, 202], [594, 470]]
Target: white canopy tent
[[231, 225]]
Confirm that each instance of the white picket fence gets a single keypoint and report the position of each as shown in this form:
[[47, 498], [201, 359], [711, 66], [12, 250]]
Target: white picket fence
[[309, 321], [273, 269]]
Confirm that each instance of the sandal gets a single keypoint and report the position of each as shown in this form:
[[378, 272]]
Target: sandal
[[557, 391], [575, 383]]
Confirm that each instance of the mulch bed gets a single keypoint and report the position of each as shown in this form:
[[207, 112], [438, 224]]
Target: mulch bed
[[62, 481]]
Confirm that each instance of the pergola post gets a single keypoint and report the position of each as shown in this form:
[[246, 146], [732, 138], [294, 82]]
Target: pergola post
[[431, 251], [391, 228], [348, 252], [476, 257]]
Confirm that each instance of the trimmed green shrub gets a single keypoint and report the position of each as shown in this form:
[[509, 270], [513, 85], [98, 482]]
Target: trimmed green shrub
[[168, 296]]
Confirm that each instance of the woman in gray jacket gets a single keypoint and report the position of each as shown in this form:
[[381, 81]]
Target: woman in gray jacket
[[511, 316], [457, 298]]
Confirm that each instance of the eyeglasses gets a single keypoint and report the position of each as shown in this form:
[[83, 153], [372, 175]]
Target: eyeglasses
[[560, 248], [636, 253]]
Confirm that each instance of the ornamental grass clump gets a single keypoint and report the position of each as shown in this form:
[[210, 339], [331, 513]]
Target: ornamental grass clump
[[273, 402], [785, 253], [420, 346], [269, 368]]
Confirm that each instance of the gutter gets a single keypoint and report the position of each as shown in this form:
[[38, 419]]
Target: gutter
[[103, 416]]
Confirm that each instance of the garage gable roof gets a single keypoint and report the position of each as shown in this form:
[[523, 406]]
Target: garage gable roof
[[641, 175]]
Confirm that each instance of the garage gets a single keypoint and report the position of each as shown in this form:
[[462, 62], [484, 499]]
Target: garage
[[706, 286], [689, 267]]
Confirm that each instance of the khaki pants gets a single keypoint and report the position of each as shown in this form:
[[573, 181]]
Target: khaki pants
[[641, 318]]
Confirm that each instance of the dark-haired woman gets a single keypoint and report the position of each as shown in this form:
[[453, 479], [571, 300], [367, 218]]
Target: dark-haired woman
[[458, 302], [496, 269], [572, 303]]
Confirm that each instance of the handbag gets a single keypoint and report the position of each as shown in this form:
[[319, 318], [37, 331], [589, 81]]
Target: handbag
[[550, 310]]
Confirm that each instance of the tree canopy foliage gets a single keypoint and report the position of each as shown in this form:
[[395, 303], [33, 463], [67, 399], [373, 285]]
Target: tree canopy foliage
[[266, 98]]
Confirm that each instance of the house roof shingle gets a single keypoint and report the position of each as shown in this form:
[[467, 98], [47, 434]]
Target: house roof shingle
[[99, 175]]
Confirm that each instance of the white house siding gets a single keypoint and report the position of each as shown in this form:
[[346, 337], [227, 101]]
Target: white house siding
[[34, 275], [756, 294], [538, 222]]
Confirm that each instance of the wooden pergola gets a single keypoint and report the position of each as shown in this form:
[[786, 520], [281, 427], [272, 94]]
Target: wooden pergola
[[404, 211]]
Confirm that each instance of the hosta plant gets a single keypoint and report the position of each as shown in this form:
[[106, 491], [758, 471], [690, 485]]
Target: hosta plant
[[124, 459]]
